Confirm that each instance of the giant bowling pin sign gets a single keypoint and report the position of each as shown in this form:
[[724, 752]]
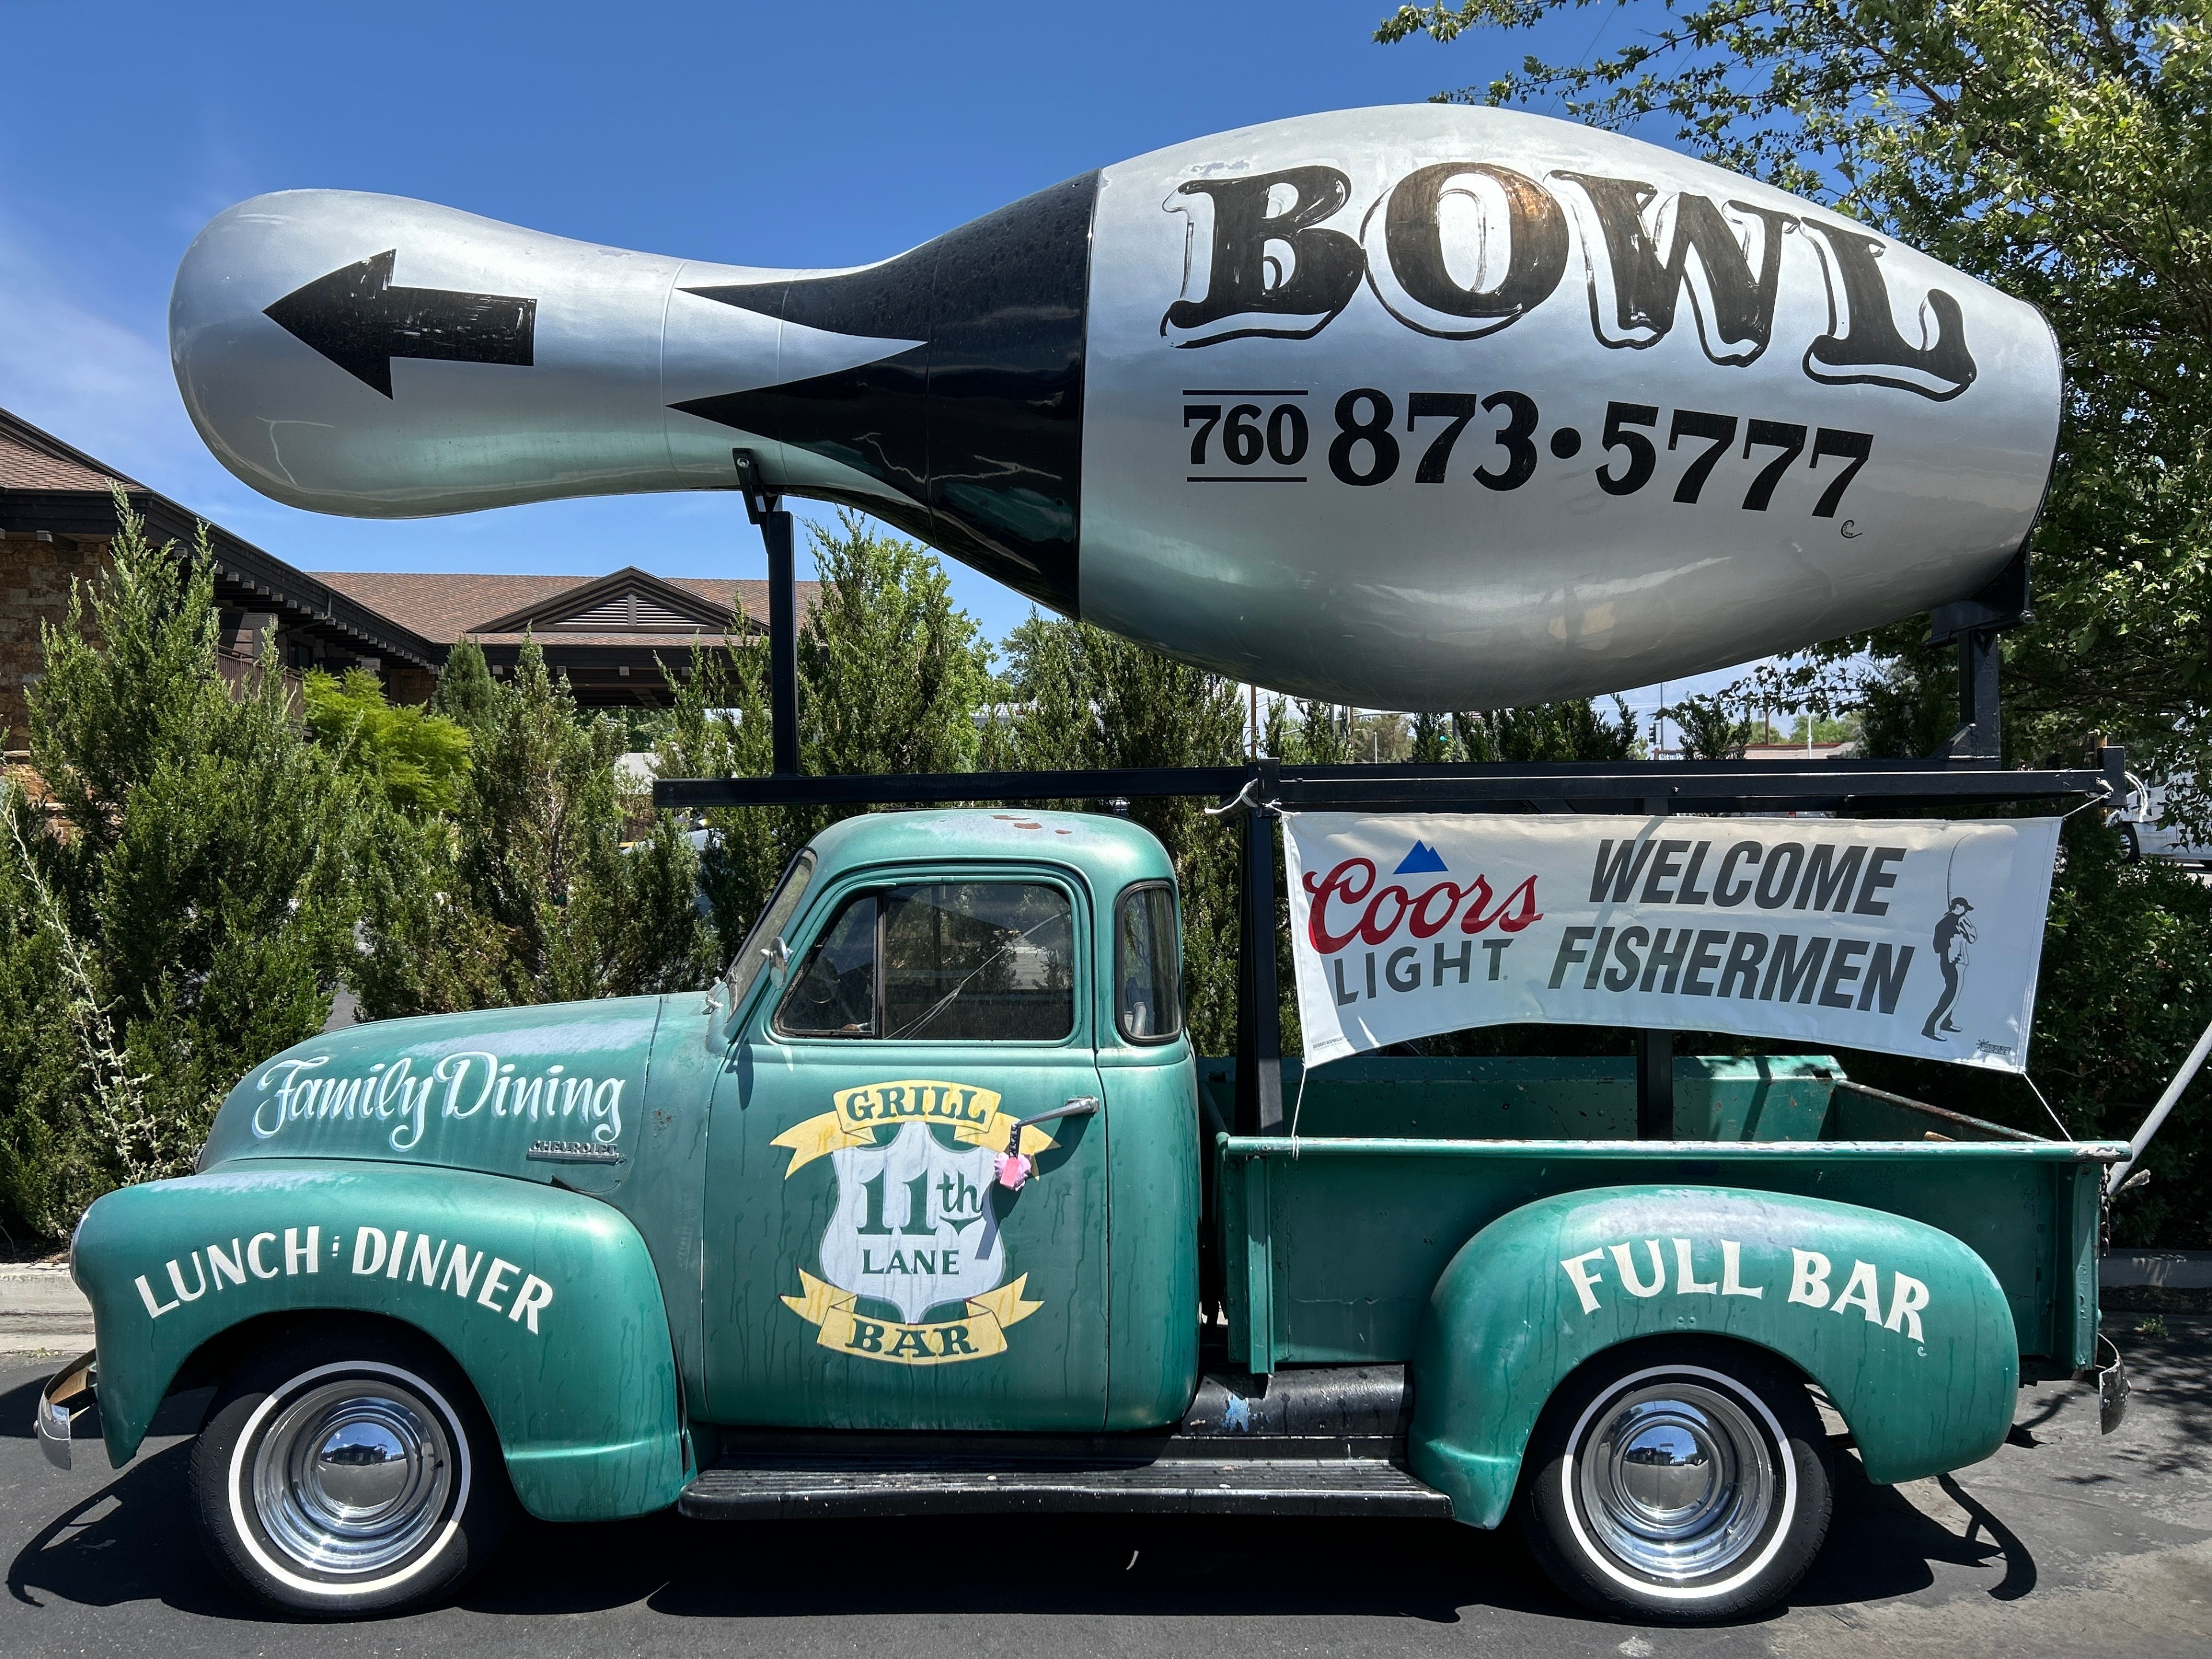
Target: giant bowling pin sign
[[1425, 407]]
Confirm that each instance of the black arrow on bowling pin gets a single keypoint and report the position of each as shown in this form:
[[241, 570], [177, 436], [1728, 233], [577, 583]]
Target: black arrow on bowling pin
[[355, 318]]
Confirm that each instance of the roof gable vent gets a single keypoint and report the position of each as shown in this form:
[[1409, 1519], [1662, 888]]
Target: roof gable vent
[[628, 612], [630, 601]]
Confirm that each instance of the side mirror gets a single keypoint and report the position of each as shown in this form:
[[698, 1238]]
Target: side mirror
[[779, 955]]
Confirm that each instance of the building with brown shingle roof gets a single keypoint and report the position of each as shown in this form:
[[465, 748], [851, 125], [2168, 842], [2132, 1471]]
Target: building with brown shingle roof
[[610, 635]]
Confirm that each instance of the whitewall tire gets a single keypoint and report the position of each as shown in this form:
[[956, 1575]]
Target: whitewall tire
[[341, 1474], [1678, 1482]]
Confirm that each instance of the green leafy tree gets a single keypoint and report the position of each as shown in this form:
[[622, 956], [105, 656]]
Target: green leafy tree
[[417, 757], [891, 671], [178, 903], [1819, 728], [466, 694], [527, 893], [892, 675], [1321, 735], [1711, 727], [2061, 151], [56, 1076], [1084, 698], [1572, 730], [1433, 740], [720, 727]]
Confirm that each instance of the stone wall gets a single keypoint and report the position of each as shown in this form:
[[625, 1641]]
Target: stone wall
[[404, 682], [34, 589], [35, 577]]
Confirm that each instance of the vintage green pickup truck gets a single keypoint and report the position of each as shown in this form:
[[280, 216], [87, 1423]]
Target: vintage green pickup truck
[[929, 1206]]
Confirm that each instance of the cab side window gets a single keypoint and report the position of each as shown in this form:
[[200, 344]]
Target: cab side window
[[941, 962], [1147, 967], [834, 995], [979, 962]]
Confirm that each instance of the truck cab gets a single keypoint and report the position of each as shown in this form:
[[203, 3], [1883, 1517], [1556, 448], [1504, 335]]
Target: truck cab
[[949, 979]]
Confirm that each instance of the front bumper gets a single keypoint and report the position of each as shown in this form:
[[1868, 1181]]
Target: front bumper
[[67, 1393]]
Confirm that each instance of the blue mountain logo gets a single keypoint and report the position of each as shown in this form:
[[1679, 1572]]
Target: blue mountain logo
[[1422, 860]]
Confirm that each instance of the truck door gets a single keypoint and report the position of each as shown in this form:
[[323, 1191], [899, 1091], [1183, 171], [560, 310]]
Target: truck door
[[866, 1268]]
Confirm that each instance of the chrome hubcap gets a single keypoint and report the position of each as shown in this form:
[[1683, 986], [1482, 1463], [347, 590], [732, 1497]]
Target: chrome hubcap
[[353, 1475], [1677, 1480]]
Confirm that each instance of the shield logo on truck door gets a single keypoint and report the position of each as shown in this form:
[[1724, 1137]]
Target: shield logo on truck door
[[913, 1225]]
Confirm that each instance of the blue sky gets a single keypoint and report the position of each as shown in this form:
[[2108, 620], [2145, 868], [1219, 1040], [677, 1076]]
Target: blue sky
[[761, 135]]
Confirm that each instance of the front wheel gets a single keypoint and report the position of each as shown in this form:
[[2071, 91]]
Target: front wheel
[[1680, 1482], [341, 1474]]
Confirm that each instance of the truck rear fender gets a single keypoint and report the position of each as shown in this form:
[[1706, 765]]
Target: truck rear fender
[[1904, 1328], [547, 1301]]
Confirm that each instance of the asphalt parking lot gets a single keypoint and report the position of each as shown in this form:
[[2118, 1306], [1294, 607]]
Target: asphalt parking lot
[[2064, 1543]]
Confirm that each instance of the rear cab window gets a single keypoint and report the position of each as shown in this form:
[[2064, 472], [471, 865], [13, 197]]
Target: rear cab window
[[1147, 964]]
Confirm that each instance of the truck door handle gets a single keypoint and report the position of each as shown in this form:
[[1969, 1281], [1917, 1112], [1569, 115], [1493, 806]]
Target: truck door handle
[[1013, 1168], [1077, 1106]]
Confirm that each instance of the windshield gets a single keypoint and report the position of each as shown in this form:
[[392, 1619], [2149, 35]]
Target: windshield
[[775, 916]]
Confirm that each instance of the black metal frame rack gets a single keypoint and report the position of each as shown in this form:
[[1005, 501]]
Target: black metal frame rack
[[1968, 770]]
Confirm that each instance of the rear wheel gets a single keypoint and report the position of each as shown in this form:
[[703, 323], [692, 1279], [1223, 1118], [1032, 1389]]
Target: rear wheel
[[1679, 1482], [341, 1474]]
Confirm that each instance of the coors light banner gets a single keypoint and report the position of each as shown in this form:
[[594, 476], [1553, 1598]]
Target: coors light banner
[[1423, 407], [1915, 938]]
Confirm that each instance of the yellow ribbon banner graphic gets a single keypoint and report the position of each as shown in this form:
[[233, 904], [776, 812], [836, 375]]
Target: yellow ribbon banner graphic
[[859, 1114], [981, 1334]]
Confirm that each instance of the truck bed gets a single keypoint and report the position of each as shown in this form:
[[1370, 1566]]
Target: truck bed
[[1330, 1240]]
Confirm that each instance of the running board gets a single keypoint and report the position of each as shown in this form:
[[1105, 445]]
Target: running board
[[762, 1487]]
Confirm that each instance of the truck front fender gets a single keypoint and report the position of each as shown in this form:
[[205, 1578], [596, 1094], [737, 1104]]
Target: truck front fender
[[1905, 1328], [547, 1301]]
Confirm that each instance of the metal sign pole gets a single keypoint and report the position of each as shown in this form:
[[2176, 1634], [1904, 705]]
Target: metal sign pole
[[1975, 625], [782, 639], [2156, 1120], [1259, 1017], [1654, 1054], [766, 510], [1655, 1086]]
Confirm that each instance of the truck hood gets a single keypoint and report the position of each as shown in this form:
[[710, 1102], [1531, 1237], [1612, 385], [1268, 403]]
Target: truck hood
[[520, 1091]]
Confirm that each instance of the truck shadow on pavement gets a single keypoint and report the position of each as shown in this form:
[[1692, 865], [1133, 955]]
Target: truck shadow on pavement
[[131, 1540], [2168, 1356], [1881, 1547]]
